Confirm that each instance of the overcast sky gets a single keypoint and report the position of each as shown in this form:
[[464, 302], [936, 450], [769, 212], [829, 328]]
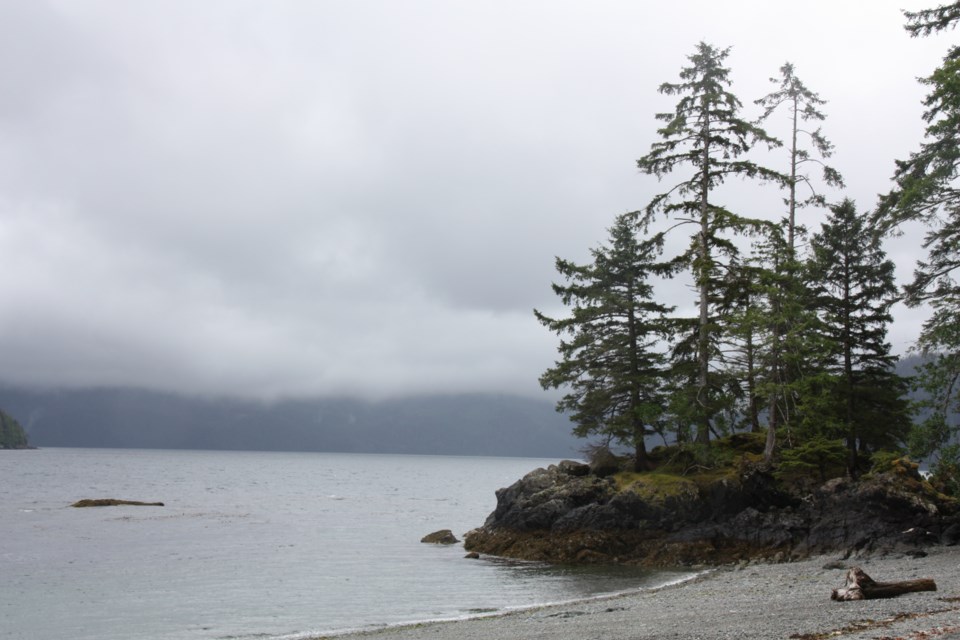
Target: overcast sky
[[366, 197]]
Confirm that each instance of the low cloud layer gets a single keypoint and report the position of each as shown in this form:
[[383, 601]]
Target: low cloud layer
[[366, 198]]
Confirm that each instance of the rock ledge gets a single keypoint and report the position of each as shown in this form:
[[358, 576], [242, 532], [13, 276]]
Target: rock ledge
[[112, 502], [562, 515]]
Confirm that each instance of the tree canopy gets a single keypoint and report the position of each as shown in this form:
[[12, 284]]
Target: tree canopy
[[706, 133], [926, 190], [788, 338], [12, 435], [852, 287], [610, 362]]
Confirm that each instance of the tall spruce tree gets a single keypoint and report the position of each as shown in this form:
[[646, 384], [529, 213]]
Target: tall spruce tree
[[755, 308], [705, 133], [802, 106], [852, 286], [804, 147], [794, 346], [613, 360], [747, 341], [927, 190]]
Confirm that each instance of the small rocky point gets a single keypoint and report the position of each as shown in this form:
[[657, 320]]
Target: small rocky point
[[444, 536], [112, 502], [568, 513]]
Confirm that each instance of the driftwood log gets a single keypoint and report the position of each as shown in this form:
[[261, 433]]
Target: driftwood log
[[860, 586]]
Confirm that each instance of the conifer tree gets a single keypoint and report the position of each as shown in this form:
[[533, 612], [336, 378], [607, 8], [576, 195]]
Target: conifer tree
[[927, 190], [802, 106], [746, 312], [754, 309], [705, 133], [613, 361], [939, 377], [853, 287]]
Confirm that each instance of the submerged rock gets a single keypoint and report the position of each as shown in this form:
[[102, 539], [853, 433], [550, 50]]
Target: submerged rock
[[663, 520], [112, 502], [444, 536]]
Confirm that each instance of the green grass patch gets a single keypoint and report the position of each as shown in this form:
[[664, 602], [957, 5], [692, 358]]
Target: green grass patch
[[655, 486]]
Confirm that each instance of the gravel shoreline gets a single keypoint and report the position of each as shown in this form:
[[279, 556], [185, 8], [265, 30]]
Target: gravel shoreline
[[761, 601]]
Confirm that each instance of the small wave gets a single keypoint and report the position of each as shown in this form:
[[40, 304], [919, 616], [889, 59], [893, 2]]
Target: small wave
[[478, 613]]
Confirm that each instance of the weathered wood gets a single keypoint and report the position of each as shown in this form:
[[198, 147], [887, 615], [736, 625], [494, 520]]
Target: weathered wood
[[860, 586]]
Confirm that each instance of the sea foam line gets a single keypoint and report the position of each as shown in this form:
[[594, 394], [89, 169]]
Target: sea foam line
[[506, 611]]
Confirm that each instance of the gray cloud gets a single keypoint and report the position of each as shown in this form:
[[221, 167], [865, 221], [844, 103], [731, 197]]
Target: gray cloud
[[297, 198]]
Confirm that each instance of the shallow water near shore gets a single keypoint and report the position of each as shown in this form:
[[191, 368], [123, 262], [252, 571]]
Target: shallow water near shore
[[266, 545]]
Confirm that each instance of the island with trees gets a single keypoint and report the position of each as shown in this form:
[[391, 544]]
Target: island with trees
[[765, 415], [12, 435]]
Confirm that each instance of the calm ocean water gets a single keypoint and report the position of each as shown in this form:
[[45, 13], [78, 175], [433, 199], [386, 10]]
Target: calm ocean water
[[257, 545]]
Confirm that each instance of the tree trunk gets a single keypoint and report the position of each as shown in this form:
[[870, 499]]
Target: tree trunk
[[771, 441], [641, 460], [860, 586], [753, 401], [703, 283], [848, 371], [792, 215]]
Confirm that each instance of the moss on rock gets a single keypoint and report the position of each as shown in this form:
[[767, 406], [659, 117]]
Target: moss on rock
[[656, 488]]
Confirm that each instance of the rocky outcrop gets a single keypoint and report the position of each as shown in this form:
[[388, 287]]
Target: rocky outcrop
[[112, 502], [444, 536], [560, 514]]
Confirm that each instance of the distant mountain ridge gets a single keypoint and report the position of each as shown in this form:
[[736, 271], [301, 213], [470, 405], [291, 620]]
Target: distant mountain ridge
[[467, 424]]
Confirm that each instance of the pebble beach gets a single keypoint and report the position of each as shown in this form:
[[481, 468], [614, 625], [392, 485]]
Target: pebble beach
[[762, 601]]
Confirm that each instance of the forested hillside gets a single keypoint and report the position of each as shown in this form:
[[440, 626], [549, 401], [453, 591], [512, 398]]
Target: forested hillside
[[451, 425], [11, 433]]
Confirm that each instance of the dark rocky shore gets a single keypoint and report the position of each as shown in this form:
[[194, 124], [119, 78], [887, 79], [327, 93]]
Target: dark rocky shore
[[569, 514]]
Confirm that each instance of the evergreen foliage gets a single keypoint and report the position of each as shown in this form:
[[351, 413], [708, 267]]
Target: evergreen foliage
[[928, 21], [818, 454], [612, 362], [706, 133], [936, 437], [786, 310], [926, 190], [791, 349], [852, 286], [802, 105], [12, 435]]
